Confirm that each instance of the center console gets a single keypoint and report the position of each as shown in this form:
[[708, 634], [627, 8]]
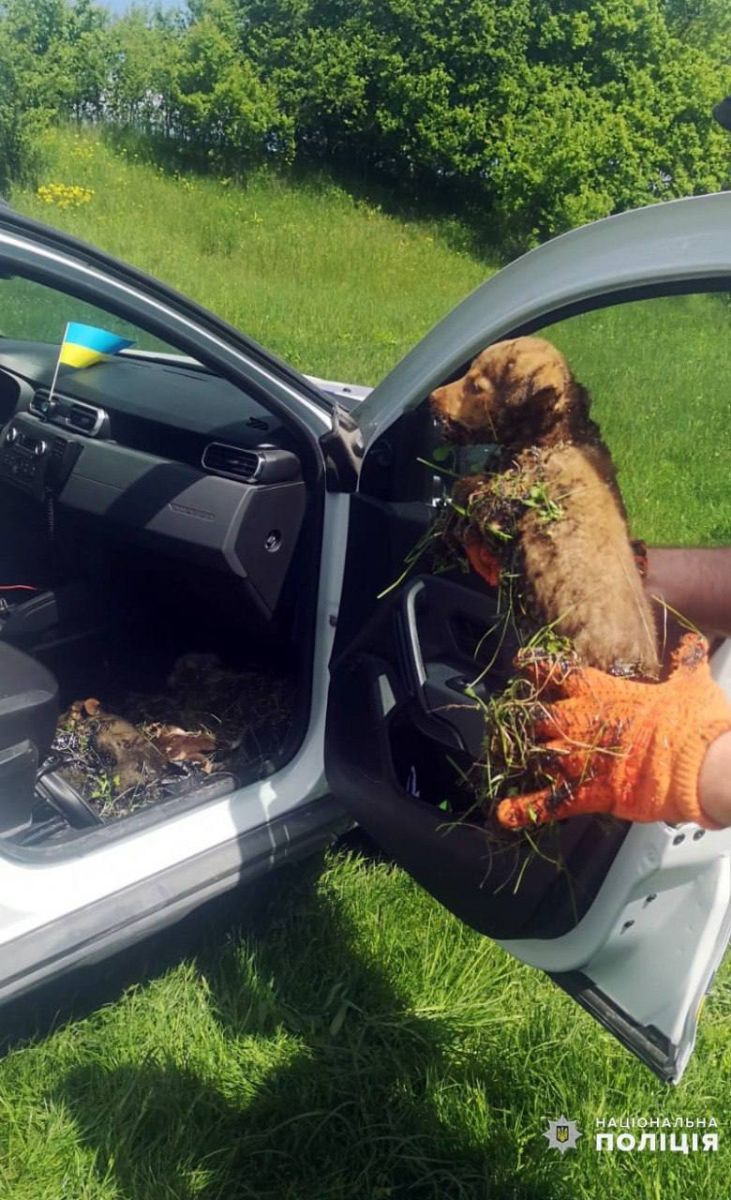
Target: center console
[[35, 458]]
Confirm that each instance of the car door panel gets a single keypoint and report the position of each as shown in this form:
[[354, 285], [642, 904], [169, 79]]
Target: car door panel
[[631, 920], [635, 920], [397, 702]]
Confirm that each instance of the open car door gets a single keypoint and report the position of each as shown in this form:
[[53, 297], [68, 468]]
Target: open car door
[[631, 920]]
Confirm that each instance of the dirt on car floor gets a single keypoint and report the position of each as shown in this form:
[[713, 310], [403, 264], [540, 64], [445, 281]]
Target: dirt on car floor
[[127, 751]]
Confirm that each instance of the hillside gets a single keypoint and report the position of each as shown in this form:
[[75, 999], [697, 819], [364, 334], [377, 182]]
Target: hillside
[[342, 290], [330, 283]]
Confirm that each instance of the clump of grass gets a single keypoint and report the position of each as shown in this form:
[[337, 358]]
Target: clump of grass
[[512, 764], [493, 506], [245, 713], [436, 550]]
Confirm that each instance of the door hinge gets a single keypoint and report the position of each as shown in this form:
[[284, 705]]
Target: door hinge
[[343, 450]]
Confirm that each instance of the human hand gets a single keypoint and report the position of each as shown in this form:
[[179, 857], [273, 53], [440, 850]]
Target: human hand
[[481, 558], [618, 746]]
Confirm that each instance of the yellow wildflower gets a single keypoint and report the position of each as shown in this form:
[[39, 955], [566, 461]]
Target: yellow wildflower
[[65, 195]]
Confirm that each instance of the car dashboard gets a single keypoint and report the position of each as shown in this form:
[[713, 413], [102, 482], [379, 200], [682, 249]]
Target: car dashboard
[[166, 454]]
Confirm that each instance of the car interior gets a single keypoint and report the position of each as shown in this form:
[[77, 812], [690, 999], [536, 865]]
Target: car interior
[[158, 535]]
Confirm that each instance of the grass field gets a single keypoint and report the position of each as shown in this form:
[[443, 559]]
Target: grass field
[[357, 1041], [340, 289]]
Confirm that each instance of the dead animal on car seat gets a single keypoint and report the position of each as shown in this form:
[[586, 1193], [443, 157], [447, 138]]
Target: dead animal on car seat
[[551, 514]]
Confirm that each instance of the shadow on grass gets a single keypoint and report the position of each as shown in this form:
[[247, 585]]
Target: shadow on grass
[[348, 1106]]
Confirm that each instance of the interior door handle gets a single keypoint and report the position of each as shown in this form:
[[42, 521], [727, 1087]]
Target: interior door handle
[[413, 648]]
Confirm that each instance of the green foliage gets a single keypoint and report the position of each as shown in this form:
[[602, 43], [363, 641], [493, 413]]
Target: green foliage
[[15, 143], [143, 67], [526, 116], [541, 114], [54, 61], [220, 103], [703, 23], [188, 83]]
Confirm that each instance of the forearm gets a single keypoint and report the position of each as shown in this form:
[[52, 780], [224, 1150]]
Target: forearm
[[714, 781], [695, 582]]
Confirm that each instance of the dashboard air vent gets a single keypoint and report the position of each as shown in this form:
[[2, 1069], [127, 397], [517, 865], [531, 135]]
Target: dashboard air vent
[[84, 418], [232, 461], [67, 412]]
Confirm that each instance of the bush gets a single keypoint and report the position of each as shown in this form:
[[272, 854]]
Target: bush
[[530, 116], [544, 113], [53, 62], [20, 121], [219, 105]]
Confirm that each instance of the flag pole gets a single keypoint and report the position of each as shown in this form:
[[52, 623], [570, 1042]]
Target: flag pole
[[58, 364]]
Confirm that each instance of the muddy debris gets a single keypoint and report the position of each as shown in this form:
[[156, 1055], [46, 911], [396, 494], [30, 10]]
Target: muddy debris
[[137, 749]]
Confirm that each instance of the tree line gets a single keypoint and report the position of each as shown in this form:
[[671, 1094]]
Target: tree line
[[530, 116]]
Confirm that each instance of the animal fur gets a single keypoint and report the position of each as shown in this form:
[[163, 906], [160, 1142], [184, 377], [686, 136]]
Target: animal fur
[[578, 570], [132, 759]]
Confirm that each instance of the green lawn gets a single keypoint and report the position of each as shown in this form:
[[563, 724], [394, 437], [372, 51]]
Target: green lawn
[[328, 282], [342, 290], [358, 1042]]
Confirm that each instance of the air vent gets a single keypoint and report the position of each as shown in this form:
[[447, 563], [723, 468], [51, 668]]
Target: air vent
[[84, 418], [70, 413], [39, 403], [232, 461]]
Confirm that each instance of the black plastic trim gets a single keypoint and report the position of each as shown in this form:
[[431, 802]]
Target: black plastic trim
[[651, 1046]]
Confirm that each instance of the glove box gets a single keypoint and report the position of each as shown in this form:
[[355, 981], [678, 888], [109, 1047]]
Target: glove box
[[28, 715]]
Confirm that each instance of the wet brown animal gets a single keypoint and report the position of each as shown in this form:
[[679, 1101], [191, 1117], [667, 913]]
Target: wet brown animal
[[132, 759], [579, 568]]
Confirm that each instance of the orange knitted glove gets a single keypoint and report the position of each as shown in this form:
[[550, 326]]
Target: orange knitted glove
[[482, 559], [617, 746]]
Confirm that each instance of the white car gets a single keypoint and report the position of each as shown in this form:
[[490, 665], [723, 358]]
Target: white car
[[194, 497]]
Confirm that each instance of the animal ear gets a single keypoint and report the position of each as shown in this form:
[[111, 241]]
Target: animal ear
[[556, 390], [561, 400], [574, 399]]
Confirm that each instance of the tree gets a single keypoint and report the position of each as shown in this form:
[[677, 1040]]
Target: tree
[[543, 113]]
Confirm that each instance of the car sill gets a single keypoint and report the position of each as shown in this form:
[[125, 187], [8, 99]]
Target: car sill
[[108, 925]]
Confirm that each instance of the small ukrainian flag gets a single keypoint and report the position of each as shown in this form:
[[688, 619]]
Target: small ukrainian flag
[[84, 345]]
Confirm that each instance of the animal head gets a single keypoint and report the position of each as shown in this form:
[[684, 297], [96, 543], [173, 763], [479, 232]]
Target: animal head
[[516, 393]]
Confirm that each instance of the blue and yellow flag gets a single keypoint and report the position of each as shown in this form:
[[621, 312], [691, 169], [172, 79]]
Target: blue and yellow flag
[[84, 345]]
